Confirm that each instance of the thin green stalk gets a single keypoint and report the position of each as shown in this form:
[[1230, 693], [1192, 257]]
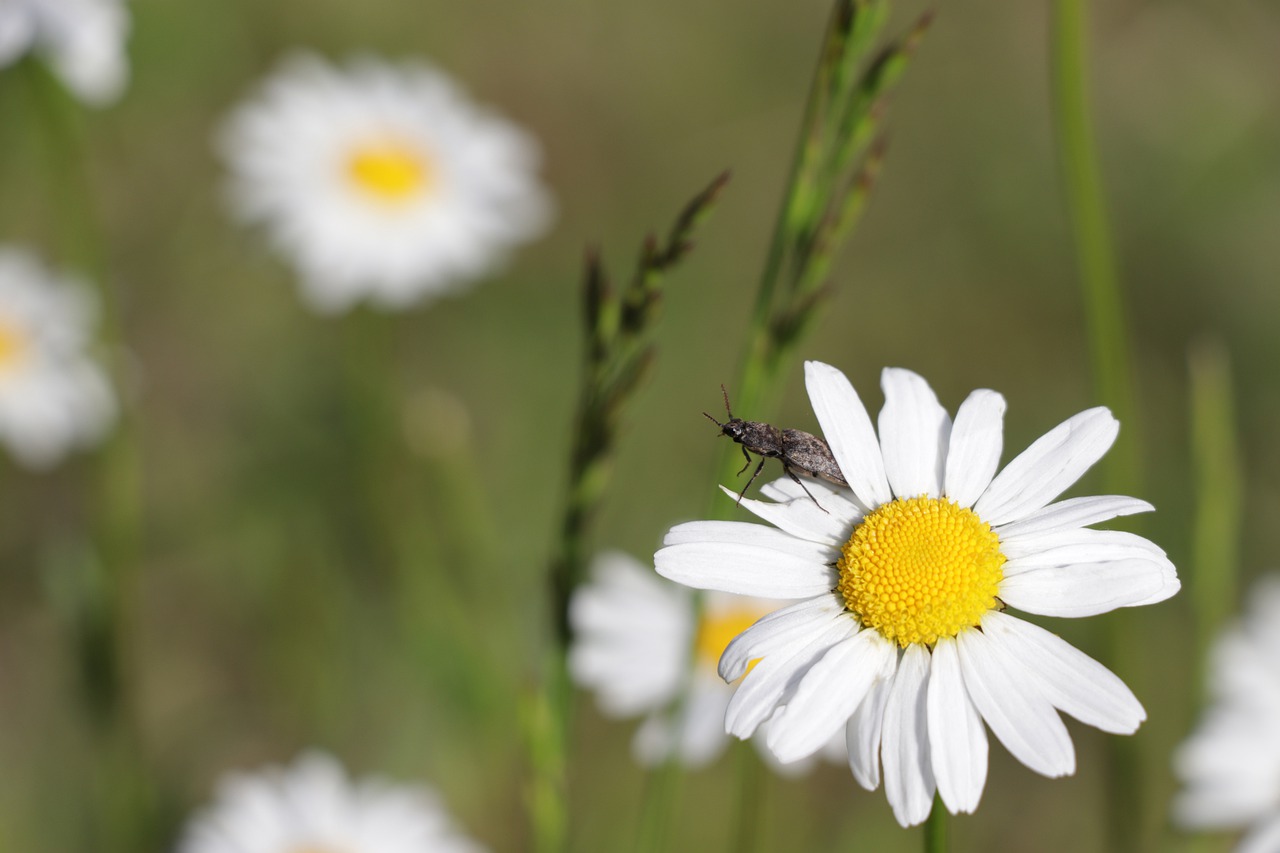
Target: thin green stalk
[[123, 791], [937, 828], [1219, 490], [618, 354], [800, 200], [1095, 256], [749, 822], [837, 159], [1109, 358], [371, 399], [756, 352]]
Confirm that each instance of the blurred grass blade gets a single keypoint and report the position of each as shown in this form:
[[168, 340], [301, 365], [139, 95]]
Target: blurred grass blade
[[619, 332], [1096, 263], [833, 168], [126, 813], [865, 110], [1219, 490], [1124, 798]]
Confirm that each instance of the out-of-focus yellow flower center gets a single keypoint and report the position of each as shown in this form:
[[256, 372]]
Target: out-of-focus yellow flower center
[[919, 569], [716, 631], [391, 170], [13, 345]]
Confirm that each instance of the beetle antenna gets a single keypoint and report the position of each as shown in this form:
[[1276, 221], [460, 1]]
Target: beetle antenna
[[713, 420], [725, 392]]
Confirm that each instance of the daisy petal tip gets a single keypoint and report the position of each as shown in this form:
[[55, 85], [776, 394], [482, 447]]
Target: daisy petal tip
[[812, 367], [662, 563], [899, 374], [730, 671], [908, 816], [732, 494]]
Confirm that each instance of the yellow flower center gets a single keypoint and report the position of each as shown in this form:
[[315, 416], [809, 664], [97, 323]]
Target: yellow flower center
[[919, 569], [13, 346], [715, 632], [390, 170]]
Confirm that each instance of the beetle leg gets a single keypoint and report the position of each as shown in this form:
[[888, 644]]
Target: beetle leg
[[747, 456], [754, 474], [792, 475]]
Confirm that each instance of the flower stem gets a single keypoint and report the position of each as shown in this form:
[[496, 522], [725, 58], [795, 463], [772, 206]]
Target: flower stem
[[936, 828], [750, 803], [620, 349], [1215, 546], [1095, 256], [125, 804], [1108, 349]]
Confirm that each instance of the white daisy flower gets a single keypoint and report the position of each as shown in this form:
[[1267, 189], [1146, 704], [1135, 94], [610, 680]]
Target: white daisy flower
[[1230, 766], [53, 396], [381, 181], [312, 807], [900, 635], [83, 40], [639, 641]]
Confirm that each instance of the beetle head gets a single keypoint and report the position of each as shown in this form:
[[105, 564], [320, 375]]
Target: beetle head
[[734, 427]]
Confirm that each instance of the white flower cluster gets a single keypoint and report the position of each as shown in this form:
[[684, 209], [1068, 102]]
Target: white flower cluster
[[381, 181]]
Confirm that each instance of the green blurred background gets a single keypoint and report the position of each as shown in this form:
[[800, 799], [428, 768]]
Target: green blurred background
[[275, 609]]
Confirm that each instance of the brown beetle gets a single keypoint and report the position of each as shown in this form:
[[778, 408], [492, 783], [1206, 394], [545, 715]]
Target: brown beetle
[[795, 449]]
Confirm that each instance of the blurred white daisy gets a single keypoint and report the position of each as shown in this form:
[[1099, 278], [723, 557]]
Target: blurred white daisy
[[638, 642], [1230, 766], [82, 40], [380, 181], [900, 636], [313, 807], [53, 396]]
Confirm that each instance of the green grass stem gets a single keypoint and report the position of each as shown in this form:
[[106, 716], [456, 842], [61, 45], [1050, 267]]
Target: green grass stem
[[1109, 358], [1219, 490], [124, 813]]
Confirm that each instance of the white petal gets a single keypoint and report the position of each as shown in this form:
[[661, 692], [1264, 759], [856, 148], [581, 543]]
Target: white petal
[[847, 428], [914, 431], [1087, 589], [762, 561], [973, 455], [778, 630], [1170, 584], [840, 502], [756, 535], [759, 694], [632, 632], [862, 735], [1048, 467], [1011, 704], [827, 695], [1083, 545], [1071, 514], [1264, 838], [802, 518], [1071, 680], [957, 739], [908, 778]]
